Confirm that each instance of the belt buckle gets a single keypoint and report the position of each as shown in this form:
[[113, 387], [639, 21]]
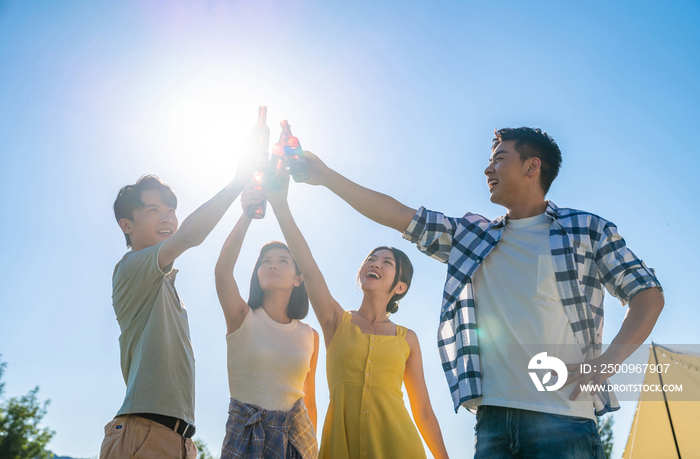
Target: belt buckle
[[189, 431]]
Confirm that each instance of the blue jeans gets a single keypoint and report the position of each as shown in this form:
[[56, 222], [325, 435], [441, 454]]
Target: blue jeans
[[508, 433]]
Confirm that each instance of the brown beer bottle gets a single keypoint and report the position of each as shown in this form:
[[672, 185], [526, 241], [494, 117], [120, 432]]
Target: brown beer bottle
[[298, 168], [259, 144], [278, 162]]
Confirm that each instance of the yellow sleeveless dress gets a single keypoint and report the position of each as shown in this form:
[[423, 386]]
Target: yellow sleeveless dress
[[367, 418]]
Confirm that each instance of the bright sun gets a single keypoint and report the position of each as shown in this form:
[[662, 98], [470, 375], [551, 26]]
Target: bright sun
[[203, 125]]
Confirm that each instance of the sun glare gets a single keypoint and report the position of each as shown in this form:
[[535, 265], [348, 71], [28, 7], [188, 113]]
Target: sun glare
[[203, 126]]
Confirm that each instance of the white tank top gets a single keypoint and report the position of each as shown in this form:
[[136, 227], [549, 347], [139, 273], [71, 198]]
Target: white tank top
[[268, 361]]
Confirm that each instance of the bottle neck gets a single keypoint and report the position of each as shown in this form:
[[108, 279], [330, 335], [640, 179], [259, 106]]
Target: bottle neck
[[262, 116], [289, 138], [286, 130]]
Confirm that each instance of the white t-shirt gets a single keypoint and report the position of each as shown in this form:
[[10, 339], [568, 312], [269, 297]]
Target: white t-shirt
[[268, 361], [519, 314]]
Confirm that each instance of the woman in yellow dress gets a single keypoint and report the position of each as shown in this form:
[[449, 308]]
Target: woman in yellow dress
[[368, 356]]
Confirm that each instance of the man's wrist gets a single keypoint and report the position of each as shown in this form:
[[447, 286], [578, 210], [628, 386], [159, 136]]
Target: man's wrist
[[618, 353], [330, 178]]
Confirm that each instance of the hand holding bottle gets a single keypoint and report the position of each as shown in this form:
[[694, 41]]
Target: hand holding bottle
[[251, 196], [276, 193], [318, 171]]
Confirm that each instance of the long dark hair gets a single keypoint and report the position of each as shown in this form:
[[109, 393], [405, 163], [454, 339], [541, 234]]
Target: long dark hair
[[298, 306], [404, 273]]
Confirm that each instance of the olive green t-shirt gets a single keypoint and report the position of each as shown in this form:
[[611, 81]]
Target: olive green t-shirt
[[156, 353]]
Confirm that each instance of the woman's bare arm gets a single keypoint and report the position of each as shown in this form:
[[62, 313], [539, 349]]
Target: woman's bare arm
[[234, 306], [417, 391], [328, 312]]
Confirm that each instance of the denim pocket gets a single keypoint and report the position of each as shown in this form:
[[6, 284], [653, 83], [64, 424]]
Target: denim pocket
[[578, 421], [479, 414]]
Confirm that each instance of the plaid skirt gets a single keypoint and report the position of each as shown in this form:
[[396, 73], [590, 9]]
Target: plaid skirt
[[255, 433]]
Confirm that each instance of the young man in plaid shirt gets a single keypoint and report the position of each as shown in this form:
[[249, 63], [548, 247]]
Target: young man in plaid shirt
[[530, 280]]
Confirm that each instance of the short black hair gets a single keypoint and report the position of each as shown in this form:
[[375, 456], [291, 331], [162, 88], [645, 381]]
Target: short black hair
[[404, 273], [298, 306], [530, 143], [129, 198]]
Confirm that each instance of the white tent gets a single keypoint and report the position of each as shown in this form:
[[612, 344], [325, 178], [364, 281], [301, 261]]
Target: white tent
[[667, 424]]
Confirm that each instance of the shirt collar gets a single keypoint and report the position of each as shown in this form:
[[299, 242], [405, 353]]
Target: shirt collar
[[552, 211]]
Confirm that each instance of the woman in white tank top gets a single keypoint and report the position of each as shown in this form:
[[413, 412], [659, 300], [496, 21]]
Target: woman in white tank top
[[271, 354]]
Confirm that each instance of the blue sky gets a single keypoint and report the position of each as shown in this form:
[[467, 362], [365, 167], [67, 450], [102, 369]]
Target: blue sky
[[402, 97]]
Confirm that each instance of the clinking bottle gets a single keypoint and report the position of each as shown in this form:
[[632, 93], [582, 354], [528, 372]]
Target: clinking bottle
[[278, 162], [298, 168], [259, 142]]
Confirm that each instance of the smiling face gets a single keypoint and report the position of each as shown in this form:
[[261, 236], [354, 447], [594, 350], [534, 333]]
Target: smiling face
[[509, 178], [277, 271], [386, 271], [150, 224], [378, 272]]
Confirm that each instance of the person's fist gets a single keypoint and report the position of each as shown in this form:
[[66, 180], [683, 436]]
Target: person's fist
[[251, 196], [317, 169]]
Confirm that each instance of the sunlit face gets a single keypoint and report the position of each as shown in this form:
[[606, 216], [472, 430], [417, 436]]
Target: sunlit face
[[153, 223], [506, 174], [277, 271], [378, 271]]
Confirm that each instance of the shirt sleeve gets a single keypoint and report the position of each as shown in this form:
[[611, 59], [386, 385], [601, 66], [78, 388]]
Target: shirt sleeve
[[142, 267], [623, 274], [433, 233]]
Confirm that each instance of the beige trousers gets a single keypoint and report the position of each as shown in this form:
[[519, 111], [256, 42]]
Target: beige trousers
[[135, 437]]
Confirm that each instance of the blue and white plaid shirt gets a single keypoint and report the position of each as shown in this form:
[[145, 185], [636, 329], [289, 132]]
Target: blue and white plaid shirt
[[587, 253], [256, 433]]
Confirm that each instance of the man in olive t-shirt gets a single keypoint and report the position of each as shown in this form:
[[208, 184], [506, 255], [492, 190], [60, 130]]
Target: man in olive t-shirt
[[157, 416], [155, 337]]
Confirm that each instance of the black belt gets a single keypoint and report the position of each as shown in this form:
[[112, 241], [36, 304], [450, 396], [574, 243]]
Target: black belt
[[184, 429]]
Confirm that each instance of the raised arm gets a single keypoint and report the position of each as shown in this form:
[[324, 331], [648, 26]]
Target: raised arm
[[197, 226], [327, 310], [417, 391], [376, 206], [234, 306]]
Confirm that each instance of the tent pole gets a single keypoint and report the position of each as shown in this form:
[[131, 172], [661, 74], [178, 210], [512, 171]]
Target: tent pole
[[675, 441]]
